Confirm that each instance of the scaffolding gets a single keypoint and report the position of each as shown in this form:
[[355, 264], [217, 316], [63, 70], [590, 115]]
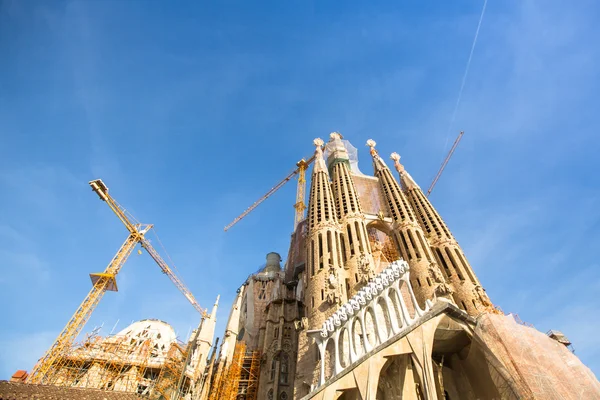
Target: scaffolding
[[119, 363], [248, 384], [239, 381]]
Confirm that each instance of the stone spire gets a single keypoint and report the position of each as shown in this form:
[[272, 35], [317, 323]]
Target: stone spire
[[324, 275], [426, 279], [468, 292], [356, 248], [204, 342], [323, 246]]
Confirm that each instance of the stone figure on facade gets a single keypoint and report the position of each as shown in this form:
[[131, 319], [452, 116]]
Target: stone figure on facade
[[366, 272], [333, 296], [442, 288], [479, 292]]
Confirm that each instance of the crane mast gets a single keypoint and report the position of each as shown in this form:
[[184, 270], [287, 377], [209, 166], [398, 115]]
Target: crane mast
[[102, 282]]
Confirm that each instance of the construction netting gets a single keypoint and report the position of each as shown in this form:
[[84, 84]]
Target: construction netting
[[530, 365]]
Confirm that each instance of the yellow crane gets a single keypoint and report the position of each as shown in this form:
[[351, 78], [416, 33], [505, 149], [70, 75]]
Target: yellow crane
[[105, 281], [300, 205]]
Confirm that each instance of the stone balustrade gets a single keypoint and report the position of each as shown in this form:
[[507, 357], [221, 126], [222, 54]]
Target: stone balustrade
[[379, 306]]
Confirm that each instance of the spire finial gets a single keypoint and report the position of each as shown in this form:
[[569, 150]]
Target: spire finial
[[335, 135], [371, 143], [319, 162], [396, 157]]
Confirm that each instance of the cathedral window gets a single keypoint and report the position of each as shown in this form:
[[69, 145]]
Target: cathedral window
[[283, 396], [320, 251], [454, 264], [356, 277], [273, 366], [322, 294], [420, 237], [312, 302], [276, 333], [419, 282], [474, 305], [284, 369], [358, 237], [343, 245], [311, 257], [443, 262], [350, 240], [414, 245], [428, 281], [329, 248], [270, 394], [287, 331], [464, 306], [405, 246]]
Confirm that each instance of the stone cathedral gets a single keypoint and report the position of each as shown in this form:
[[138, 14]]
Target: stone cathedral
[[377, 300]]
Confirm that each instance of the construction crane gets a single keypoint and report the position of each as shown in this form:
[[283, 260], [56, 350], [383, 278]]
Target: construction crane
[[444, 163], [105, 281], [300, 205]]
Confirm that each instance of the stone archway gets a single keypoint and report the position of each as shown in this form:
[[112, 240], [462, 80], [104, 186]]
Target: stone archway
[[460, 368], [397, 380]]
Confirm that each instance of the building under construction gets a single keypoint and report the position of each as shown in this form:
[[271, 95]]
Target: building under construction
[[376, 300]]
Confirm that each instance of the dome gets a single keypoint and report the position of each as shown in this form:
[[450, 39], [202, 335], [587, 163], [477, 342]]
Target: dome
[[160, 334]]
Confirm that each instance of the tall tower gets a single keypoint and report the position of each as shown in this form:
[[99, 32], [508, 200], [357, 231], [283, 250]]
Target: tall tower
[[468, 293], [355, 245], [204, 342], [324, 275], [325, 290], [426, 278]]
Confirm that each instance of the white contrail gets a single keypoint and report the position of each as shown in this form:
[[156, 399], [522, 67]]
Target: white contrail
[[464, 78]]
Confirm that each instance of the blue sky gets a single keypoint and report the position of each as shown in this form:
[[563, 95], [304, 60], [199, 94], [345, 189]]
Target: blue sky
[[190, 112]]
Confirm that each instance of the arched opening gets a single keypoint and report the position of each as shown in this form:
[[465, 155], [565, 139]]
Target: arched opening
[[399, 380], [393, 295], [460, 367], [344, 347], [357, 338], [383, 319], [371, 327], [329, 359]]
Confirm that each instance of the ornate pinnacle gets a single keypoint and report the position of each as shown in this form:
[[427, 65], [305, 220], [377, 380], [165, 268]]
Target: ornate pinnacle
[[318, 142], [371, 143], [396, 157], [335, 135]]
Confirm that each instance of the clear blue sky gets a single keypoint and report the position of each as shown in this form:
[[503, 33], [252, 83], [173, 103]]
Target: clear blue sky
[[190, 111]]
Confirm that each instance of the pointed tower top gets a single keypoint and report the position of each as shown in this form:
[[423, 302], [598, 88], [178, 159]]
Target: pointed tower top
[[407, 181], [378, 162], [213, 314], [335, 135], [319, 161]]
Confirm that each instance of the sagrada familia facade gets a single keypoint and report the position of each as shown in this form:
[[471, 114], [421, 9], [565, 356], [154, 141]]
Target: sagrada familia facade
[[377, 300]]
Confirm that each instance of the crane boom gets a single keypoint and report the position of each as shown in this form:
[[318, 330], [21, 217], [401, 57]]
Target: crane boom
[[444, 163], [302, 165], [102, 282], [100, 188], [167, 270]]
